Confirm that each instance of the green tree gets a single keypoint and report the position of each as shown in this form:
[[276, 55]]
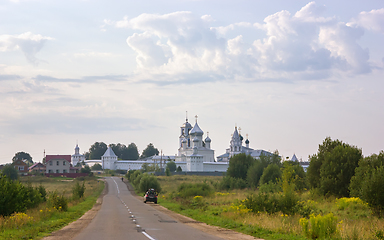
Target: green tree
[[178, 169], [255, 171], [367, 181], [338, 162], [21, 156], [298, 174], [132, 153], [149, 151], [9, 171], [239, 165], [85, 169], [172, 166], [316, 161], [364, 170], [271, 174], [97, 150], [96, 167], [372, 190]]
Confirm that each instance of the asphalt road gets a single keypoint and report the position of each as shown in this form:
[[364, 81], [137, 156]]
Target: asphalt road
[[123, 216]]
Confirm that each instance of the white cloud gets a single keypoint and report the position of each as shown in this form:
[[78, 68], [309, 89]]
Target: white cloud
[[305, 45], [30, 44], [373, 20]]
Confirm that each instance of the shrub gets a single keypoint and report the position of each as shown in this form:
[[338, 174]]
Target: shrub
[[186, 190], [58, 202], [147, 182], [178, 169], [16, 197], [372, 191], [172, 166], [78, 190], [319, 227], [272, 173], [167, 172], [270, 187], [229, 183]]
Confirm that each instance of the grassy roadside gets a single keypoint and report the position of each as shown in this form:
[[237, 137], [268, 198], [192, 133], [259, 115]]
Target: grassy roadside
[[213, 216], [41, 221], [353, 219]]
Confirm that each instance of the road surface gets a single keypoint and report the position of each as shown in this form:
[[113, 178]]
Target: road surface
[[123, 216]]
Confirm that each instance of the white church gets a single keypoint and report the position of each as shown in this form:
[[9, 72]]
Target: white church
[[194, 153]]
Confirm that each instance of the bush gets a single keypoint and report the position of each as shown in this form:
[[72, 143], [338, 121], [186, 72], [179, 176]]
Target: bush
[[319, 227], [58, 202], [167, 172], [15, 197], [147, 182], [272, 173], [186, 190], [172, 166], [78, 191], [272, 203], [178, 169], [96, 167], [229, 183], [270, 187], [9, 171]]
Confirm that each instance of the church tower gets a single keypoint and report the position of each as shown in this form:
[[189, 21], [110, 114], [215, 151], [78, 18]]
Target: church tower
[[236, 143]]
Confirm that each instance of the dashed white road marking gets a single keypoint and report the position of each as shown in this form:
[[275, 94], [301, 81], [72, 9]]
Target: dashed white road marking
[[118, 192]]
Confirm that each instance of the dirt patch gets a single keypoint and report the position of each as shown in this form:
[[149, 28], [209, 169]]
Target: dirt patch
[[70, 231], [213, 230]]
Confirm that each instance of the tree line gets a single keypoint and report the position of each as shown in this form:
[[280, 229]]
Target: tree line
[[130, 152], [337, 169], [98, 149]]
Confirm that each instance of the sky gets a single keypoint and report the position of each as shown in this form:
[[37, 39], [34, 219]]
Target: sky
[[288, 73]]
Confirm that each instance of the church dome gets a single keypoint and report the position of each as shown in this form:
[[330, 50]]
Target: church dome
[[196, 130], [184, 140], [187, 124], [247, 141], [207, 139], [195, 139]]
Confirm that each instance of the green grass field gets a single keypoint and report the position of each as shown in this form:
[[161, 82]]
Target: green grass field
[[39, 222], [224, 209]]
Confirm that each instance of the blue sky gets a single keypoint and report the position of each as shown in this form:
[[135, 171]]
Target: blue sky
[[287, 73]]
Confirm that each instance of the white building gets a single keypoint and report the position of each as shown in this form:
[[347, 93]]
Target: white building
[[236, 147], [77, 157], [194, 154]]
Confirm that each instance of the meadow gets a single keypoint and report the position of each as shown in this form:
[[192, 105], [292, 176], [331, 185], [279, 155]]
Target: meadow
[[38, 222], [345, 218]]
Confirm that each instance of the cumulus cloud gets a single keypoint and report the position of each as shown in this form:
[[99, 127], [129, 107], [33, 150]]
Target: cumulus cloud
[[373, 20], [30, 44], [303, 45]]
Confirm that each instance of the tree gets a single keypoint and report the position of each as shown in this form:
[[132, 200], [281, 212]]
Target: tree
[[178, 169], [367, 181], [149, 151], [85, 169], [96, 167], [316, 161], [9, 171], [271, 174], [172, 166], [255, 171], [97, 150], [298, 174], [372, 190], [21, 156], [132, 152], [337, 161], [239, 165]]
